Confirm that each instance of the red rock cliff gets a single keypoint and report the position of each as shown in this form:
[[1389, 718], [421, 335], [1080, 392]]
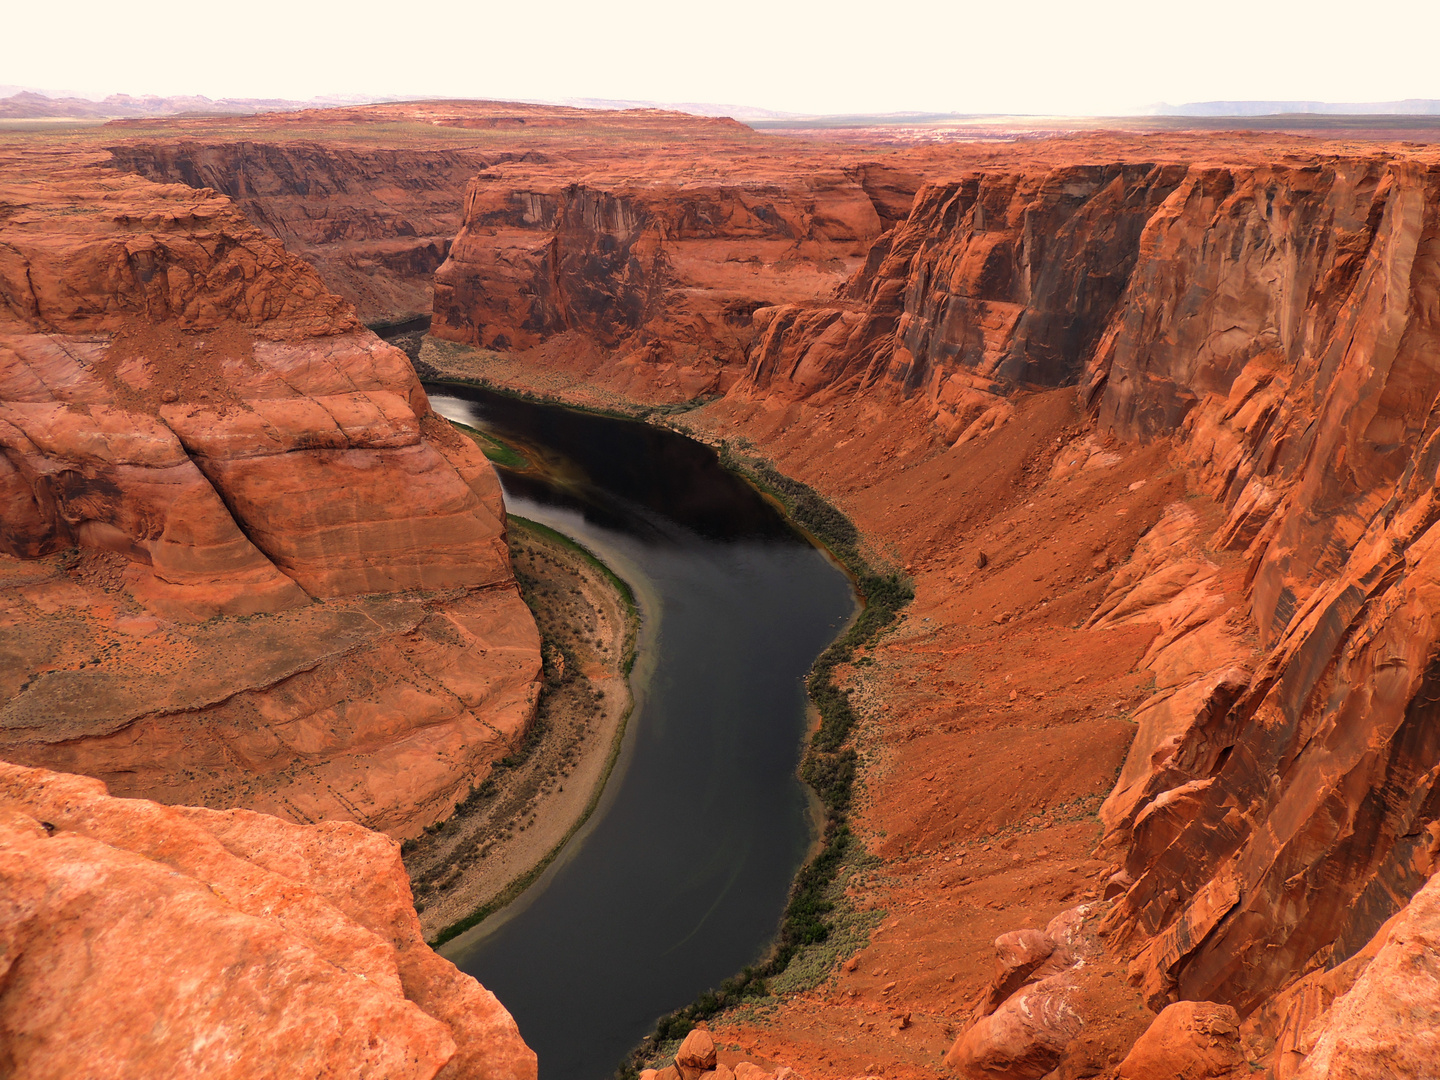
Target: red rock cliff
[[242, 557], [375, 222], [1277, 324], [664, 269]]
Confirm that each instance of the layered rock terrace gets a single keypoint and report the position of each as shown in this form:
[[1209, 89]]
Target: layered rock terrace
[[242, 557]]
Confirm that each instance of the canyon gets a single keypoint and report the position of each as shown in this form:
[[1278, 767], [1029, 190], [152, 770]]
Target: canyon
[[1148, 419]]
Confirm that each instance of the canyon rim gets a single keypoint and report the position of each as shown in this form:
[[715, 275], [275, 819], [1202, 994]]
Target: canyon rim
[[1144, 775]]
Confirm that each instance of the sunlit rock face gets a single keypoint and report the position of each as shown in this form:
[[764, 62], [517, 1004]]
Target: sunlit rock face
[[144, 940], [244, 556]]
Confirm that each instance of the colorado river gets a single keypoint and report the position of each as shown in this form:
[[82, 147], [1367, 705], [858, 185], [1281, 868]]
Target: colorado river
[[680, 877]]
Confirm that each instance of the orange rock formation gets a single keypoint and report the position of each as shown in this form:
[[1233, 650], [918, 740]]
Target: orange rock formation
[[1266, 325], [142, 940], [245, 564]]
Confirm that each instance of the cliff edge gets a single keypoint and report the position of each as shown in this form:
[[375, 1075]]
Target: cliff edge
[[241, 556]]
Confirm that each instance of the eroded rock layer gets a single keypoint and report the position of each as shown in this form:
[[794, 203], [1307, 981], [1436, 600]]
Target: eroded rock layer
[[662, 269], [139, 940], [242, 556], [375, 222], [1150, 420]]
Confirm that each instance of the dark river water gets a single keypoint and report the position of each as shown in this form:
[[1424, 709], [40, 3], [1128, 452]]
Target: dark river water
[[680, 877]]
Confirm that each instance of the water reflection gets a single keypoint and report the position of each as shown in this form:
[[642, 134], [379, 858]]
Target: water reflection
[[680, 878]]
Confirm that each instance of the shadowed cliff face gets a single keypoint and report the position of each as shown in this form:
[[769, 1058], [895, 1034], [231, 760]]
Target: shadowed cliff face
[[198, 445], [657, 271], [995, 278], [374, 222]]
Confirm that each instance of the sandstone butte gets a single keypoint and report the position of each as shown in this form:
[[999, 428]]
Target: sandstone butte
[[1152, 781]]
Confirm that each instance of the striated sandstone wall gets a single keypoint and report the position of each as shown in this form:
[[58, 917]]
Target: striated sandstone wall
[[1279, 803], [658, 270], [375, 222], [140, 940], [243, 562]]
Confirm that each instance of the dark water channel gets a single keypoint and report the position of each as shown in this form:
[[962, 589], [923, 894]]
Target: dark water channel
[[680, 877]]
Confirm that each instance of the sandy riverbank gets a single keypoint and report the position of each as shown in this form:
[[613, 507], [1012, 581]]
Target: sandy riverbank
[[532, 802]]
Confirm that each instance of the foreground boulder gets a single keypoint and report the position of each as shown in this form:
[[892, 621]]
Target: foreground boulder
[[1190, 1040], [138, 940], [1388, 1023], [697, 1059], [1024, 1022]]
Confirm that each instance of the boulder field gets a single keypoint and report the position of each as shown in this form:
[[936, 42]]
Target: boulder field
[[1149, 763]]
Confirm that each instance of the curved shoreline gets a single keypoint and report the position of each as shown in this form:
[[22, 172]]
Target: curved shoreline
[[818, 923], [531, 780]]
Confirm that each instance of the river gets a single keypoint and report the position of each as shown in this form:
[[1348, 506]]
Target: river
[[680, 877]]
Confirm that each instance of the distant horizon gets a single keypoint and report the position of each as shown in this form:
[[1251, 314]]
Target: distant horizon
[[1213, 109], [801, 57]]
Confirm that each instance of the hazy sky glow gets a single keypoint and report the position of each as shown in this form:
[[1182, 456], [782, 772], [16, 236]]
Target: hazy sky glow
[[1046, 56]]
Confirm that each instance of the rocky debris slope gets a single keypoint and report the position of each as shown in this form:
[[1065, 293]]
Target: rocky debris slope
[[698, 1059], [139, 940], [1036, 1004], [241, 556]]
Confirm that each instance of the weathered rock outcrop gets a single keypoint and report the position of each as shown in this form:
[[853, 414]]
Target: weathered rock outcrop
[[1021, 1027], [1268, 317], [551, 225], [1189, 1040], [198, 445], [696, 1059], [139, 940], [993, 278]]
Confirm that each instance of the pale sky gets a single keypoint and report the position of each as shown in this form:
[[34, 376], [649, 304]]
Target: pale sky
[[1046, 56]]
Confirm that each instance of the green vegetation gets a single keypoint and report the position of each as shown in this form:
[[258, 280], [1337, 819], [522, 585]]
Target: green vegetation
[[621, 586], [818, 926], [497, 450]]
